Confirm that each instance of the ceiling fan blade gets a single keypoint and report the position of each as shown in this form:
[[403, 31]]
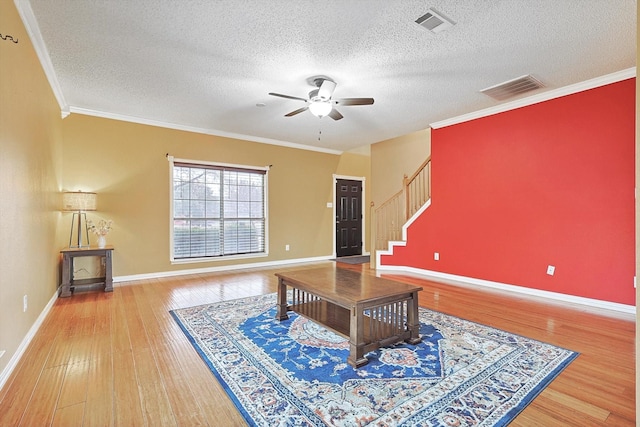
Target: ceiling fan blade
[[335, 114], [354, 101], [326, 89], [298, 111], [287, 96]]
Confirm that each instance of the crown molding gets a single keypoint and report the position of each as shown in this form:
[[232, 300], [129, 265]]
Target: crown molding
[[194, 129], [31, 25], [541, 97], [33, 30]]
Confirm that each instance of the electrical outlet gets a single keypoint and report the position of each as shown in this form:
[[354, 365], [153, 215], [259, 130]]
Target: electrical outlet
[[436, 256], [550, 270], [25, 304], [286, 247]]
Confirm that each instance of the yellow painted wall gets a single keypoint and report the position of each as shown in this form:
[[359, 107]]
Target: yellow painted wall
[[394, 158], [30, 153], [125, 163], [41, 155]]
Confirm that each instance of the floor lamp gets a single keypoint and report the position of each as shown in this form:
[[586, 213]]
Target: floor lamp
[[79, 202]]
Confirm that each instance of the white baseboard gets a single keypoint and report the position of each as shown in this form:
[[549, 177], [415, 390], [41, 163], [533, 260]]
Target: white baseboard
[[234, 267], [6, 372], [466, 281]]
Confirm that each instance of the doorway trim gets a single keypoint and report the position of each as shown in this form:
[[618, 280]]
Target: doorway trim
[[363, 180]]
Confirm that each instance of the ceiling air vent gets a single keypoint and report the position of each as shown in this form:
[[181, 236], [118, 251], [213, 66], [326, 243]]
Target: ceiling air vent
[[512, 88], [435, 21]]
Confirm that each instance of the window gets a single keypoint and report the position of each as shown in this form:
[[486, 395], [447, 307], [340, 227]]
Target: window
[[217, 210]]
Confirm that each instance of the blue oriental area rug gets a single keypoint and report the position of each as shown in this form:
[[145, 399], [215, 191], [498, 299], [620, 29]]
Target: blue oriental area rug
[[294, 372]]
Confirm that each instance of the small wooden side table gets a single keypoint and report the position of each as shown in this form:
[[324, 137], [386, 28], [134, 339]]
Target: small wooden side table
[[68, 282]]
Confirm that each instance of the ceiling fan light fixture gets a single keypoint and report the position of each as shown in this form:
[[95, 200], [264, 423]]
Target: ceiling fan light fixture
[[320, 108], [320, 101]]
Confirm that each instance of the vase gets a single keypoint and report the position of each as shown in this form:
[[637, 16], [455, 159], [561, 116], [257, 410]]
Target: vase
[[102, 241]]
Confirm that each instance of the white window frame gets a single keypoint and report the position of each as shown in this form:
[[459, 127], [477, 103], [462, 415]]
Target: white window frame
[[197, 163]]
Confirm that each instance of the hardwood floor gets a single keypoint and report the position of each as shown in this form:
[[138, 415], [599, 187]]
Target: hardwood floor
[[119, 359]]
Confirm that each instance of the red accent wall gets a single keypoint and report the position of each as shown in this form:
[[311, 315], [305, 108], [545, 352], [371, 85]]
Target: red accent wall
[[547, 184]]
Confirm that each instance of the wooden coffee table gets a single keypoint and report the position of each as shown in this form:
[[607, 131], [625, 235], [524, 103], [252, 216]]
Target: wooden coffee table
[[371, 311]]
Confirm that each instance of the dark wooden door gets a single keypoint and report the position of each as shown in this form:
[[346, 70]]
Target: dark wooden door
[[348, 217]]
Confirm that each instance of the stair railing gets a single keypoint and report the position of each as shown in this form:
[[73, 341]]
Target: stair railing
[[418, 188], [390, 216]]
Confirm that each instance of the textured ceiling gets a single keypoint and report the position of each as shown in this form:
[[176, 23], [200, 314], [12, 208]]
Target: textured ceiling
[[205, 65]]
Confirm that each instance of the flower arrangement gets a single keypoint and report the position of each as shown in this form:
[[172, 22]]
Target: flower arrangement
[[102, 229]]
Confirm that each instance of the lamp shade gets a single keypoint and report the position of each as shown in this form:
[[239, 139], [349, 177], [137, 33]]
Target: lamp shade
[[79, 201]]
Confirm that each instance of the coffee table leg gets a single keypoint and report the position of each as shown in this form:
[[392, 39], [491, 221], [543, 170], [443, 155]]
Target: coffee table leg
[[282, 300], [356, 338], [413, 322]]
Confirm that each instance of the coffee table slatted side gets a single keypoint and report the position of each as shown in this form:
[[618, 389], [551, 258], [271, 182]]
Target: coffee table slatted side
[[383, 325]]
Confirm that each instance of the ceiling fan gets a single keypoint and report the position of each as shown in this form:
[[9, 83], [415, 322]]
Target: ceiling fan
[[320, 102]]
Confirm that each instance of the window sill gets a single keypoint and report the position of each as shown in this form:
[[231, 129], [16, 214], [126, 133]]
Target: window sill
[[217, 259]]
